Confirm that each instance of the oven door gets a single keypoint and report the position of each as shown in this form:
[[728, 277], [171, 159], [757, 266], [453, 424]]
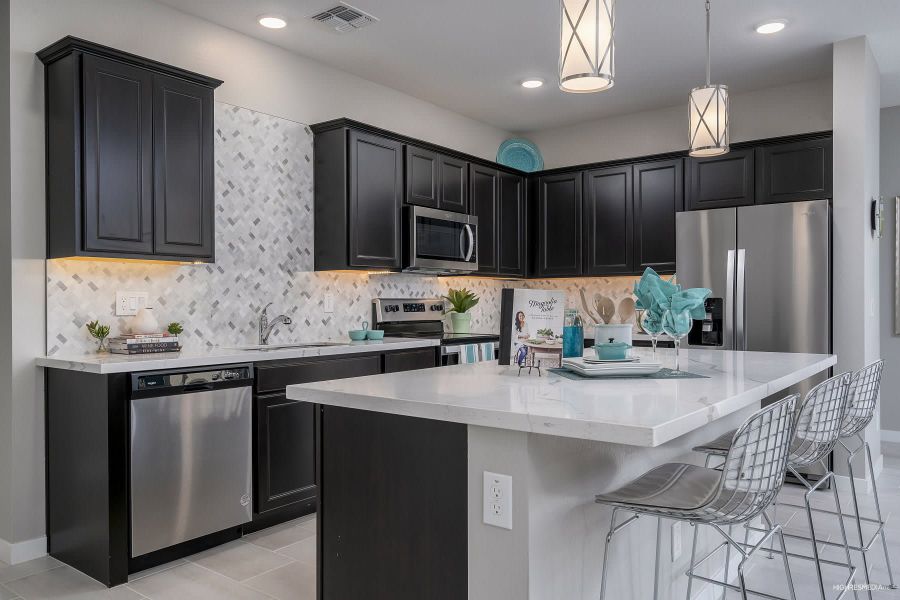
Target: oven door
[[441, 241]]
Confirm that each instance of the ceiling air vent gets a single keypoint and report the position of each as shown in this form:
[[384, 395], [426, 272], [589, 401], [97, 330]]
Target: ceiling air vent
[[344, 18]]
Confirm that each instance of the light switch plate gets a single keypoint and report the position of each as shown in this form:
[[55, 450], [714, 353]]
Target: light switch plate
[[498, 500], [128, 303], [328, 303]]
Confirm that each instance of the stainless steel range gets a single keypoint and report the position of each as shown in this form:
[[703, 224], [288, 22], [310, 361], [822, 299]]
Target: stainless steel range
[[424, 318]]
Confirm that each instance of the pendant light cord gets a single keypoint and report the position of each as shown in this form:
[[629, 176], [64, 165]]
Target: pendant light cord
[[707, 43]]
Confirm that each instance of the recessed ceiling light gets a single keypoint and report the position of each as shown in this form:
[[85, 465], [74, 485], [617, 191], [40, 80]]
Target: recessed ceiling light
[[532, 83], [272, 22], [773, 26]]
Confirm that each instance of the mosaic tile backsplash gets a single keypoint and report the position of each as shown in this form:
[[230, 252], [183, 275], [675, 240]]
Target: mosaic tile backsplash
[[264, 253]]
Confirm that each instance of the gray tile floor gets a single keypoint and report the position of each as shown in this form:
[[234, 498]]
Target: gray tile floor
[[279, 563]]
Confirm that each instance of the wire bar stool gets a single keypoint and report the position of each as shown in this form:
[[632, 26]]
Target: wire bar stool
[[818, 427], [747, 484]]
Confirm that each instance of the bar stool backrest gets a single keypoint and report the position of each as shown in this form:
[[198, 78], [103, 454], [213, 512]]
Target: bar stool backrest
[[819, 421], [862, 398], [754, 468]]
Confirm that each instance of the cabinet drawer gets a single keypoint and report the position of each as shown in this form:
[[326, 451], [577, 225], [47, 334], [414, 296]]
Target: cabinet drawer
[[275, 377], [410, 360]]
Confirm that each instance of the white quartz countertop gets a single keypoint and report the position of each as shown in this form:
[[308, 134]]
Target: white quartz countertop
[[640, 412], [121, 363]]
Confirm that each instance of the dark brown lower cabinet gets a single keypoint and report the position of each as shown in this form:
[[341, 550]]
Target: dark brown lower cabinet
[[286, 450], [393, 508], [410, 360]]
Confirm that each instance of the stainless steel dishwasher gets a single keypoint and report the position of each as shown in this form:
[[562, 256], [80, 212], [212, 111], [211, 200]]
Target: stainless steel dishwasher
[[190, 454]]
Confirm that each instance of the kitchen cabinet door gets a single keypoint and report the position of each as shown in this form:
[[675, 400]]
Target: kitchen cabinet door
[[485, 187], [285, 452], [184, 188], [410, 360], [720, 181], [608, 231], [118, 157], [375, 196], [454, 184], [559, 225], [794, 171], [422, 177], [511, 229], [658, 195]]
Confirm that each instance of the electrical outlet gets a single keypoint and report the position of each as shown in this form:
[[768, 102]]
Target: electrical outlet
[[676, 540], [328, 303], [497, 500], [128, 303]]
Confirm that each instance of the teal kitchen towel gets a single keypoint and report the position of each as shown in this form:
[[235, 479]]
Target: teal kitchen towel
[[468, 354], [692, 299], [487, 351]]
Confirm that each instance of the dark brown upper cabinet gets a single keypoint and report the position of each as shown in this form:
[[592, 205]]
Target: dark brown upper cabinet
[[436, 180], [484, 183], [359, 192], [559, 225], [608, 221], [511, 230], [658, 195], [794, 171], [422, 177], [498, 200], [183, 168], [129, 156], [720, 181]]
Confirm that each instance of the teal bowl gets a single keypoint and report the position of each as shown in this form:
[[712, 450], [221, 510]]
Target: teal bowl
[[375, 334], [357, 335], [612, 351]]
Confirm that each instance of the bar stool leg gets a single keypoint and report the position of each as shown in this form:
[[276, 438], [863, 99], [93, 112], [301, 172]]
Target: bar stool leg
[[815, 543], [862, 543], [887, 558], [837, 508], [690, 571], [612, 529]]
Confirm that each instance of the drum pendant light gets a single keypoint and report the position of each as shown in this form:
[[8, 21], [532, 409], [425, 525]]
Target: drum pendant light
[[709, 113], [586, 45]]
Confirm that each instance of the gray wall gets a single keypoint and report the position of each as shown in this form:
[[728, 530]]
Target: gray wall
[[796, 108], [5, 277], [890, 344]]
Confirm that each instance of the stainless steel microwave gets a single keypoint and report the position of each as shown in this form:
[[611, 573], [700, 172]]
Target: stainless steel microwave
[[439, 241]]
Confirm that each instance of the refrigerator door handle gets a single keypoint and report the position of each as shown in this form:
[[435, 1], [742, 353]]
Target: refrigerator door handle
[[740, 311], [728, 334]]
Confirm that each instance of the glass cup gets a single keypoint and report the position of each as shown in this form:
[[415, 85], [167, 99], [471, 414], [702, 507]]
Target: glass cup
[[676, 325], [652, 325]]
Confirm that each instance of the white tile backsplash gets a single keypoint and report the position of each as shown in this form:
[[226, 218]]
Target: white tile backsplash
[[264, 253]]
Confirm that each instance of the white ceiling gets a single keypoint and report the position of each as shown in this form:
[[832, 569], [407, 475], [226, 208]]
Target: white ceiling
[[469, 55]]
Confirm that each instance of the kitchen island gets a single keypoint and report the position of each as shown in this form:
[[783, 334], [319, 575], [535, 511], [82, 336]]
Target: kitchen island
[[403, 458]]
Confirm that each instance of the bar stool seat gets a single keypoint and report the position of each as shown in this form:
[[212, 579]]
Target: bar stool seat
[[718, 446], [668, 488]]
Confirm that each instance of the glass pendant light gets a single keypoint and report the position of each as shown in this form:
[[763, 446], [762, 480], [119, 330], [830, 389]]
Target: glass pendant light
[[709, 113], [586, 45]]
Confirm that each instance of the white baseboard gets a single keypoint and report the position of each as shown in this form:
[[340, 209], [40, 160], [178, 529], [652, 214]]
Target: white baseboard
[[20, 552], [888, 435]]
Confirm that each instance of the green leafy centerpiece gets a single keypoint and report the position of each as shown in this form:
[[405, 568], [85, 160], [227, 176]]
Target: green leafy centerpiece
[[461, 302], [99, 332]]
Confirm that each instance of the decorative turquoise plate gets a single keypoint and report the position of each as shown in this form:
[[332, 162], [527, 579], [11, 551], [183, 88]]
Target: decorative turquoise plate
[[520, 154]]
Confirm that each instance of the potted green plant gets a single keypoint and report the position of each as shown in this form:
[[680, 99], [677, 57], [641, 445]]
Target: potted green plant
[[99, 332], [461, 302]]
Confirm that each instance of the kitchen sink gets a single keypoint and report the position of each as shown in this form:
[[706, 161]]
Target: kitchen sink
[[268, 347]]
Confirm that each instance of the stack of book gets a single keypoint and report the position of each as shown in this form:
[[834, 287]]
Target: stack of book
[[150, 343]]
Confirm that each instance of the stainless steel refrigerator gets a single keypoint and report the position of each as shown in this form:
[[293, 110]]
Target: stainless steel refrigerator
[[769, 269]]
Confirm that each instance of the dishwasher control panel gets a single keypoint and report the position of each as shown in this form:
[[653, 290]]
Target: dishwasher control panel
[[177, 379]]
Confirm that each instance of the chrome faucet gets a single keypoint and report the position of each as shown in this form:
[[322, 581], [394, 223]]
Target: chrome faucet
[[266, 327]]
